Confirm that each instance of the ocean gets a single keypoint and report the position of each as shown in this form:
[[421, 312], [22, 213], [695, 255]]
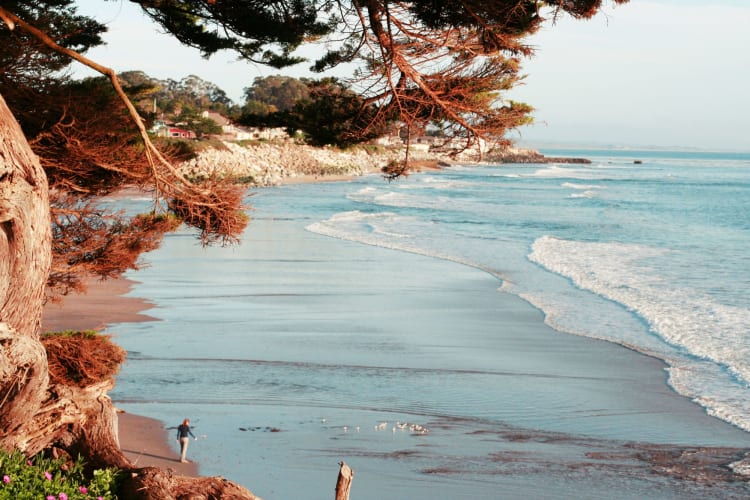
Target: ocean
[[482, 331]]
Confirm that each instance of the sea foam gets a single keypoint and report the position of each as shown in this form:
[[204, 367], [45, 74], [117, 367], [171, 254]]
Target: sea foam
[[696, 325]]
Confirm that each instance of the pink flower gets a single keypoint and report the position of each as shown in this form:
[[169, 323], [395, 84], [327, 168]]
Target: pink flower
[[99, 498], [83, 489], [6, 479], [48, 476], [28, 462], [63, 496], [51, 497]]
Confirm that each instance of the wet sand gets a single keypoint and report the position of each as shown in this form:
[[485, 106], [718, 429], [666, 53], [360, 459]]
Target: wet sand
[[146, 442]]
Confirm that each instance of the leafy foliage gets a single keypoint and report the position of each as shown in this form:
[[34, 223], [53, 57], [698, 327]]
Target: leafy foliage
[[419, 61], [334, 115], [217, 214], [425, 64], [41, 477], [171, 97], [28, 63], [264, 32], [325, 111], [272, 94], [86, 155], [192, 119], [89, 240]]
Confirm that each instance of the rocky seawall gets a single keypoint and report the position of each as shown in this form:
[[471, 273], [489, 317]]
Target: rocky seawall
[[513, 155], [269, 164]]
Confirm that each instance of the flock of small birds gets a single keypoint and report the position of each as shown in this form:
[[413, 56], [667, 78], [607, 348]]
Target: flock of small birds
[[382, 426], [398, 426]]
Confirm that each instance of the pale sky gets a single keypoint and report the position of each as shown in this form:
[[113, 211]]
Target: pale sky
[[663, 73]]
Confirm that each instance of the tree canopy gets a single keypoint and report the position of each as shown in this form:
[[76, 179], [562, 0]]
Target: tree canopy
[[86, 155], [325, 111], [274, 93], [171, 96], [419, 61]]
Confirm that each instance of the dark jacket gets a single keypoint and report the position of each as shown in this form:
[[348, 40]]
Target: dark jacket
[[183, 431]]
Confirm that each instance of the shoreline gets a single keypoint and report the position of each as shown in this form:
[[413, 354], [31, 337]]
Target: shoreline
[[283, 162], [536, 369], [158, 452], [144, 441], [147, 443]]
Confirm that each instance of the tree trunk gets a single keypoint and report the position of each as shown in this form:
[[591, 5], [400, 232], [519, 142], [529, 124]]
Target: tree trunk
[[25, 256], [34, 414]]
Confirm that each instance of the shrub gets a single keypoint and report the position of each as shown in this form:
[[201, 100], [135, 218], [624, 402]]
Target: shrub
[[81, 358], [45, 478]]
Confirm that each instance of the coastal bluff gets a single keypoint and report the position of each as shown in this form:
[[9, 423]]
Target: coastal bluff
[[272, 163]]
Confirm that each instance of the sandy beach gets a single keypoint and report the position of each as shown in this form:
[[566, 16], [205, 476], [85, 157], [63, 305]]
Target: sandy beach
[[145, 441], [103, 303], [296, 350], [320, 347]]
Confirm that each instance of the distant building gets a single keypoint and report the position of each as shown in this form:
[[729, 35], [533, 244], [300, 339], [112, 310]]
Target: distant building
[[178, 132], [218, 118], [229, 131]]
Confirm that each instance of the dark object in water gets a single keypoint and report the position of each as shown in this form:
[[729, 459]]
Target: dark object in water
[[638, 162]]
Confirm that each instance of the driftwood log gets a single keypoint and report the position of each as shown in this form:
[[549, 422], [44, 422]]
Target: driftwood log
[[344, 482]]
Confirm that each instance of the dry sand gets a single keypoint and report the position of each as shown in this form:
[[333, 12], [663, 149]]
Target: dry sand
[[145, 441], [104, 303]]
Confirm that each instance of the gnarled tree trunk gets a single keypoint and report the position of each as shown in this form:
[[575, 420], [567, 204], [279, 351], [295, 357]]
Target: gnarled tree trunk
[[25, 253], [34, 414]]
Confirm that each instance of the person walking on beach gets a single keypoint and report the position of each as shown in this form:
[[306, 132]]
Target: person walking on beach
[[183, 431]]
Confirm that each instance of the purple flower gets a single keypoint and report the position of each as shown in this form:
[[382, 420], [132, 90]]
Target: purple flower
[[63, 496], [6, 479], [83, 489], [48, 476]]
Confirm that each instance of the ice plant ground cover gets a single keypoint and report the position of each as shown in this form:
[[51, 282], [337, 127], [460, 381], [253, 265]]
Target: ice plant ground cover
[[53, 479]]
